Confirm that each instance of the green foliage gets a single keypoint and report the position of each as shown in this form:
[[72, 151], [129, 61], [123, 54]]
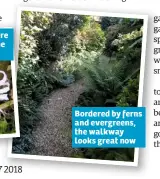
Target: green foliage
[[91, 37], [85, 47], [111, 35], [3, 126], [107, 154], [45, 41], [109, 21], [54, 42], [32, 23], [122, 37], [129, 46], [34, 81], [104, 81], [114, 81], [7, 123], [104, 75], [75, 63], [58, 49], [129, 94]]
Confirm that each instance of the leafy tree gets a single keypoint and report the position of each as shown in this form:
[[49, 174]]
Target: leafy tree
[[54, 42]]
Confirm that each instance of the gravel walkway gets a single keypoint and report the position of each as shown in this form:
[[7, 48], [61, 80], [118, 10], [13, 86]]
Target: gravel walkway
[[52, 137]]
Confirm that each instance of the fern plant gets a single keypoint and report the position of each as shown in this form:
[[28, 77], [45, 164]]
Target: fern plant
[[105, 79]]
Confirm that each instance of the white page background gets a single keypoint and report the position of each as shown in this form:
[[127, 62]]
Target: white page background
[[149, 158]]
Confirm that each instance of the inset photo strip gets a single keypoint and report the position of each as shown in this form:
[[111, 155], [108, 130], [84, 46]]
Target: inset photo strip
[[9, 121], [70, 58]]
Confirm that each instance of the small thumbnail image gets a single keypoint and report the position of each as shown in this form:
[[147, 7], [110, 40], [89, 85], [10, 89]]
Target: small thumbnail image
[[7, 100]]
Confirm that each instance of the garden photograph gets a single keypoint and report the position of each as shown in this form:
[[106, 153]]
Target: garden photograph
[[72, 60], [7, 121]]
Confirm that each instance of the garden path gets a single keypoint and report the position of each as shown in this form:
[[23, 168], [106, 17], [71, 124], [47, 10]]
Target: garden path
[[52, 136]]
